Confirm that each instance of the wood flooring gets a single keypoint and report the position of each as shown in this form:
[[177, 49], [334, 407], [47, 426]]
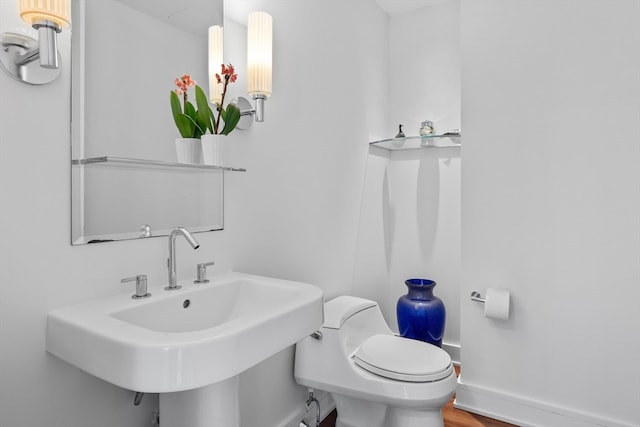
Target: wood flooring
[[452, 417]]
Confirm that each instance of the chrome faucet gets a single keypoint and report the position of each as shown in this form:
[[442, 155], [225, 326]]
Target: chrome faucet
[[171, 261]]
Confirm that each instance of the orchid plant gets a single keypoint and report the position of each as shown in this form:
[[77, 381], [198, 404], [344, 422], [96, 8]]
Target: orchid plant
[[231, 115], [191, 122], [194, 122]]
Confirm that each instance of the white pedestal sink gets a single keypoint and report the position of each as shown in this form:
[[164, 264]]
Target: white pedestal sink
[[190, 344], [215, 405]]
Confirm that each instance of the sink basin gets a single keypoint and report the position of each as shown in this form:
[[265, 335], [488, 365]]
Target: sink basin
[[199, 335]]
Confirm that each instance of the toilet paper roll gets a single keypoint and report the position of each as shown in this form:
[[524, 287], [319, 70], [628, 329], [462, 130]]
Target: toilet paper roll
[[496, 304]]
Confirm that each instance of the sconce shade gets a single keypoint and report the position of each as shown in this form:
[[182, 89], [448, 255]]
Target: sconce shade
[[259, 54], [216, 59], [57, 11]]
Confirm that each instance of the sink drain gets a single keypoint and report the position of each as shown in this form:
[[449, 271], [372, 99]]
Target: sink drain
[[186, 303]]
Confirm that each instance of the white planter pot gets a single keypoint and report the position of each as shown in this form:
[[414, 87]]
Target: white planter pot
[[213, 149], [189, 150]]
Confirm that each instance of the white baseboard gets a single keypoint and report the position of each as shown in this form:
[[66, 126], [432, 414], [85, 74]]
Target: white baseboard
[[326, 406], [454, 352], [523, 412]]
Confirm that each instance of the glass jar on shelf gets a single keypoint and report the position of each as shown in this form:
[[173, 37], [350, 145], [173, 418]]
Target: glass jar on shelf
[[426, 128]]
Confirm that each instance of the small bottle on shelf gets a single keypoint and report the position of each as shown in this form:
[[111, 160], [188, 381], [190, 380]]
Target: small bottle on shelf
[[426, 128]]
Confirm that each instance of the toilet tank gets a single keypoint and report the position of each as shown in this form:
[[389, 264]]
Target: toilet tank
[[353, 320], [348, 322]]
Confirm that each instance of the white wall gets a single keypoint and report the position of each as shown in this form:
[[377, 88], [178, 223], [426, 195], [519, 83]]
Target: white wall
[[424, 65], [40, 271], [293, 215], [410, 216], [296, 209], [551, 200], [300, 199]]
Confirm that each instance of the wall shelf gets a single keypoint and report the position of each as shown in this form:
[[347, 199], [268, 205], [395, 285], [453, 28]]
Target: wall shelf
[[419, 142], [156, 164]]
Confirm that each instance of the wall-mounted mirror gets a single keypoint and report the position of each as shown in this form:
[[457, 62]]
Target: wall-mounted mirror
[[126, 55]]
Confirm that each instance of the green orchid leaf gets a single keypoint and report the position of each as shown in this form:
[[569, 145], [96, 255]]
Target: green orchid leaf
[[201, 124], [232, 117], [190, 110], [204, 112], [185, 125], [176, 108], [199, 127]]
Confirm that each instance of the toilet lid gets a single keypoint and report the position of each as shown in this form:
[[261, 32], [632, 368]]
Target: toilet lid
[[403, 359]]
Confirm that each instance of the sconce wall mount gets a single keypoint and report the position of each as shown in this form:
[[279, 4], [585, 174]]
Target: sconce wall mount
[[36, 61], [247, 112], [19, 57]]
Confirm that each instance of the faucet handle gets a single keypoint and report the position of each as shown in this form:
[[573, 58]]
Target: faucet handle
[[201, 272], [141, 286]]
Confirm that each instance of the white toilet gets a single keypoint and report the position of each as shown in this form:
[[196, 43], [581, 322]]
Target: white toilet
[[376, 379]]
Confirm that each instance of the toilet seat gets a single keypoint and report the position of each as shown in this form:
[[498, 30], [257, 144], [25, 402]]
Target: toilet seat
[[403, 359]]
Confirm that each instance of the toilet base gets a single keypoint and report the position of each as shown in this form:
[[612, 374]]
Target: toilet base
[[353, 412], [398, 417]]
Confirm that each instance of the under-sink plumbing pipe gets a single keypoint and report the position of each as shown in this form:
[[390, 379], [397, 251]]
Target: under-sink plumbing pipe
[[311, 400], [138, 398]]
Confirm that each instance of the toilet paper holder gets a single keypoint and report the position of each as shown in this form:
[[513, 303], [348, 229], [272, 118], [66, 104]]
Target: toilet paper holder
[[475, 296], [496, 303]]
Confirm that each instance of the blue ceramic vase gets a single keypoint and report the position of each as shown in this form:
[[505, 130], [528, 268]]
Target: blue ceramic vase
[[421, 315]]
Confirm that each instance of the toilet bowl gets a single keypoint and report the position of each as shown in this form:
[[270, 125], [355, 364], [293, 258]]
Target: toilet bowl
[[377, 379]]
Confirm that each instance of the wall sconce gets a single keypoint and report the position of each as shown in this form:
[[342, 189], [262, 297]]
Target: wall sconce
[[18, 53], [216, 57], [259, 67], [259, 59]]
